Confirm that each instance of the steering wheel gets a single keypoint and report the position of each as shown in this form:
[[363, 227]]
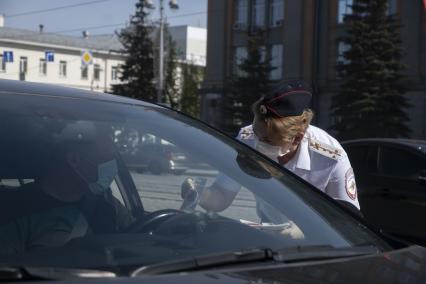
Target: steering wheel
[[152, 220]]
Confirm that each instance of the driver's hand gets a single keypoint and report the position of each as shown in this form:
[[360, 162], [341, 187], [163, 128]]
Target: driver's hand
[[188, 191]]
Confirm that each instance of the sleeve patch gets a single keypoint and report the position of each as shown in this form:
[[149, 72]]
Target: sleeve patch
[[350, 184]]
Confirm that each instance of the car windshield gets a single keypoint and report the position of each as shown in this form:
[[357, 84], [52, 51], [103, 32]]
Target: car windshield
[[87, 183]]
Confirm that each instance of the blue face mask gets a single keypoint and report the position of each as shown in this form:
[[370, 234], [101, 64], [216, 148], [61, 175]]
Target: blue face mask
[[106, 174]]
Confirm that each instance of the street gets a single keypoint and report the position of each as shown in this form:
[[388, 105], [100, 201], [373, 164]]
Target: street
[[163, 191]]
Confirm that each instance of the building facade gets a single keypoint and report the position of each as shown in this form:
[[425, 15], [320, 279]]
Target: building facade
[[31, 63], [191, 43], [68, 68], [302, 40]]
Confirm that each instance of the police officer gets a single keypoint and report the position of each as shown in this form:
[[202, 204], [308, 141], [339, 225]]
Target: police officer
[[281, 130]]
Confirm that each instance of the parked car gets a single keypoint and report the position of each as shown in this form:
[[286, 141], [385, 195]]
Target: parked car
[[391, 180], [71, 209], [155, 155]]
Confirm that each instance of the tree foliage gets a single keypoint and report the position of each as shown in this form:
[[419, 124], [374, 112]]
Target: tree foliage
[[172, 91], [192, 76], [250, 82], [371, 101], [137, 73]]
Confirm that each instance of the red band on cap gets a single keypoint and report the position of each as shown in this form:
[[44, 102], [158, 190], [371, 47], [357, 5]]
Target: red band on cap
[[273, 111], [288, 93]]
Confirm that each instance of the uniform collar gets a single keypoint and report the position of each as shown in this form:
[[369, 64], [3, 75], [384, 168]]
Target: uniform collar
[[303, 156], [302, 159]]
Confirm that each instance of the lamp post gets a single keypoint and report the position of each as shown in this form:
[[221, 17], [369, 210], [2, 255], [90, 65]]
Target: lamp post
[[160, 84]]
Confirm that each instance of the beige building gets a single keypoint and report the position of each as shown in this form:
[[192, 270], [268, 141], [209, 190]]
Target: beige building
[[29, 56]]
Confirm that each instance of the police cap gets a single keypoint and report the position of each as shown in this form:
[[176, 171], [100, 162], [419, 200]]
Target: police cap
[[287, 99]]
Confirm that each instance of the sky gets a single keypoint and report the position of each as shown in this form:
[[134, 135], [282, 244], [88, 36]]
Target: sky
[[96, 16]]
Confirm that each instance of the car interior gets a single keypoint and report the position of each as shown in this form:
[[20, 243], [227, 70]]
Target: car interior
[[23, 165]]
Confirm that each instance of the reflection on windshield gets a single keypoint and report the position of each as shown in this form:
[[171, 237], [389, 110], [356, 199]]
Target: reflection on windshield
[[106, 190]]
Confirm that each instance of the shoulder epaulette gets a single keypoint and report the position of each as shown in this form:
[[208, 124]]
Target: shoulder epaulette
[[246, 133], [325, 149]]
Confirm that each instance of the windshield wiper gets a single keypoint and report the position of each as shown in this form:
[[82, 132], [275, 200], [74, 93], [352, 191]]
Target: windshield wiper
[[37, 273], [293, 254], [321, 252], [206, 261]]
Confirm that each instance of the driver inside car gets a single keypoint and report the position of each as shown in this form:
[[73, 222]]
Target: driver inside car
[[68, 201]]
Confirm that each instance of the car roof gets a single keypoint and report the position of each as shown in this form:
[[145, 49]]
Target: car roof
[[28, 88], [406, 142]]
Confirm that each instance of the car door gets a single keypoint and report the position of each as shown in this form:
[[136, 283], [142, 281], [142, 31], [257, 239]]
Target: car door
[[364, 161], [400, 203], [363, 158]]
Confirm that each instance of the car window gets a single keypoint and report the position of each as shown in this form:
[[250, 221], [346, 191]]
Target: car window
[[83, 186], [358, 156], [399, 162], [160, 168], [363, 158], [208, 160], [372, 158]]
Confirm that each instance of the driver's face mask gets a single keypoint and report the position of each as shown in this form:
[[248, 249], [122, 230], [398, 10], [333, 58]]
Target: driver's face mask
[[106, 174], [272, 151]]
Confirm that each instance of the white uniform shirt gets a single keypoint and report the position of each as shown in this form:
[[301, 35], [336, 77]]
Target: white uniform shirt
[[320, 160]]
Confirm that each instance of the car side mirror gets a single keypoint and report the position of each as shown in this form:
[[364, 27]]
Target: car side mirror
[[422, 177]]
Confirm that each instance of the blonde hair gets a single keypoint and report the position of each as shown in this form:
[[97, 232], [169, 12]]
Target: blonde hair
[[282, 129]]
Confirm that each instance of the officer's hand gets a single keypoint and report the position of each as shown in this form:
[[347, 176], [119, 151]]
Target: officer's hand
[[188, 191], [293, 231]]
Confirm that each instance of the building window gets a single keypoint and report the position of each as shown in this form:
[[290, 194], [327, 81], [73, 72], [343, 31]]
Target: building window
[[114, 73], [84, 72], [344, 8], [276, 13], [341, 60], [241, 14], [23, 65], [342, 47], [62, 68], [277, 61], [392, 7], [42, 67], [96, 72], [240, 55], [2, 64], [258, 13], [262, 51]]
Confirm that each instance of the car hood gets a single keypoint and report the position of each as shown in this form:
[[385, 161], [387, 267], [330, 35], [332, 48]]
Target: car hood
[[400, 266]]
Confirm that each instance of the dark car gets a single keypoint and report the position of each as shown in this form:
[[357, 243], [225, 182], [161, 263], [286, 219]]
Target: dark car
[[391, 180], [144, 152], [70, 208]]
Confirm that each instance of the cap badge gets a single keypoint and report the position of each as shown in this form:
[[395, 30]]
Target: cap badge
[[263, 109]]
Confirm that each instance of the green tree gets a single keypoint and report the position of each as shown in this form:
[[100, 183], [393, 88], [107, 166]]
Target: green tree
[[371, 101], [172, 91], [137, 73], [192, 76], [250, 82]]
